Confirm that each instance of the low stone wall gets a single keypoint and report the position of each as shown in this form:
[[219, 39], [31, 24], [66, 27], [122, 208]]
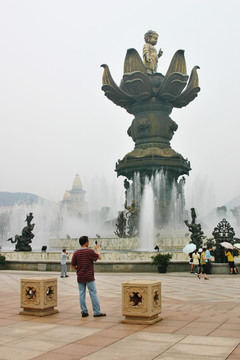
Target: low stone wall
[[165, 242], [110, 266], [101, 266], [114, 255]]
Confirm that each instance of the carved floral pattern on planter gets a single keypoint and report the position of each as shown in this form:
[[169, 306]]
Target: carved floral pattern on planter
[[156, 297], [30, 293], [135, 299], [50, 292]]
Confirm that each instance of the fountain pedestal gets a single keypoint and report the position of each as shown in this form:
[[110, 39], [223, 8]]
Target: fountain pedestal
[[150, 97], [38, 296], [141, 301]]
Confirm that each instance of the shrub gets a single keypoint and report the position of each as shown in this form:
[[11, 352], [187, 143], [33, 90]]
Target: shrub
[[2, 260], [161, 259]]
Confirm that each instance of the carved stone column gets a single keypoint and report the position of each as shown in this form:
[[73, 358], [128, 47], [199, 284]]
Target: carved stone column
[[141, 301], [38, 296]]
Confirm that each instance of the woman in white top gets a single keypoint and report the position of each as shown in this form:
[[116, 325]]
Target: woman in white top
[[196, 258]]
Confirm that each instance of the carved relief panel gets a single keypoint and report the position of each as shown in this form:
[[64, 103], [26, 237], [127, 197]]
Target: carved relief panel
[[39, 294]]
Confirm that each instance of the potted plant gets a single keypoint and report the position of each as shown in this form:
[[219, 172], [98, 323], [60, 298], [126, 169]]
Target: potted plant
[[2, 262], [162, 261]]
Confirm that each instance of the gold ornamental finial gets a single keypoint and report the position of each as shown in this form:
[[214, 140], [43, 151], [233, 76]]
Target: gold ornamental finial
[[66, 195], [77, 182]]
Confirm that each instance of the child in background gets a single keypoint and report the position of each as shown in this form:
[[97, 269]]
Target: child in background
[[64, 263]]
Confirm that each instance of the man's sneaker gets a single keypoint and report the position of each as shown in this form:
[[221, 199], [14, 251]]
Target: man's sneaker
[[62, 276], [84, 314], [66, 276], [98, 315]]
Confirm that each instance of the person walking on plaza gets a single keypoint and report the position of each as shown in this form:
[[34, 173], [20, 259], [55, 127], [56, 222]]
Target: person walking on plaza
[[195, 257], [82, 262], [199, 260], [203, 265], [208, 259], [229, 254], [64, 264]]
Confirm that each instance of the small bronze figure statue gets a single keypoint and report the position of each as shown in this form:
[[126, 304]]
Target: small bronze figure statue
[[23, 241], [29, 218], [133, 219], [150, 55], [121, 225], [197, 235], [193, 215], [126, 184]]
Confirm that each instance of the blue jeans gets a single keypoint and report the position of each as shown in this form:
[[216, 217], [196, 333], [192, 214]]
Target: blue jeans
[[93, 295]]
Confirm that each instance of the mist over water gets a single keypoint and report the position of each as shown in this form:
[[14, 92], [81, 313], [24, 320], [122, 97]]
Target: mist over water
[[103, 193], [105, 199], [200, 194], [159, 198], [52, 221], [134, 192], [147, 226], [175, 202]]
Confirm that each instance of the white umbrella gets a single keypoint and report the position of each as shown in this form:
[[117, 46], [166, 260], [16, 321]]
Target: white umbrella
[[226, 245], [237, 246], [189, 248]]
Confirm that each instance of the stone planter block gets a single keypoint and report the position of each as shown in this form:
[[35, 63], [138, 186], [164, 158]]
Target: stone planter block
[[141, 301], [38, 296]]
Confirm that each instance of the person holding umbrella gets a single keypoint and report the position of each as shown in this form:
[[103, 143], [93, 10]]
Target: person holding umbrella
[[189, 249], [191, 262], [203, 265]]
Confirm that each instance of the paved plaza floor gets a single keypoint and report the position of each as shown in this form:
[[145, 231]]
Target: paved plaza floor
[[200, 320]]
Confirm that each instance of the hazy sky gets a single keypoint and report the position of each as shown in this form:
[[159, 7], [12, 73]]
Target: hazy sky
[[56, 121]]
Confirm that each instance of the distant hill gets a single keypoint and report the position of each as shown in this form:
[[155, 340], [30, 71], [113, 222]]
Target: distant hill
[[10, 199], [233, 203]]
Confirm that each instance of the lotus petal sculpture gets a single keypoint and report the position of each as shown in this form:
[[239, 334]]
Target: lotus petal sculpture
[[137, 85]]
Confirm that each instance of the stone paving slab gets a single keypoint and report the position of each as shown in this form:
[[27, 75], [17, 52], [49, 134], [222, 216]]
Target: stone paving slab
[[201, 320]]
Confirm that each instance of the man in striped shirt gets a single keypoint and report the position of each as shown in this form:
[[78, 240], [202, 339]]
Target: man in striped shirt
[[82, 262]]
